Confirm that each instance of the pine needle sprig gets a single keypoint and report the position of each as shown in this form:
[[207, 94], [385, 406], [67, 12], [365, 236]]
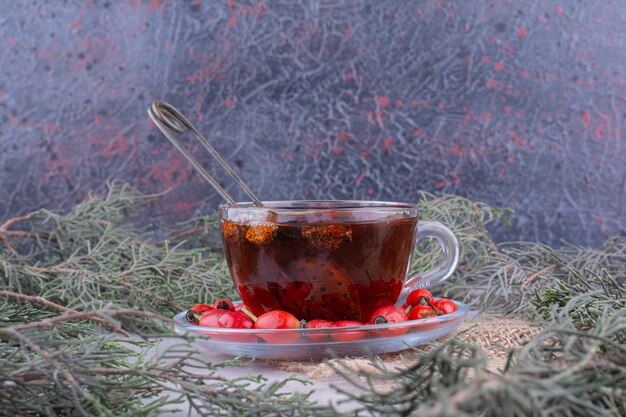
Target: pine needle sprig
[[587, 293], [94, 254], [505, 281], [469, 221], [561, 372], [71, 367]]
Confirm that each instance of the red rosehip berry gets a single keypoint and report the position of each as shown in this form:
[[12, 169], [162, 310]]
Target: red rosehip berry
[[194, 313], [224, 305], [201, 308], [421, 312], [445, 306], [348, 335], [274, 320], [277, 319], [225, 319], [420, 297], [318, 324], [388, 314], [348, 323]]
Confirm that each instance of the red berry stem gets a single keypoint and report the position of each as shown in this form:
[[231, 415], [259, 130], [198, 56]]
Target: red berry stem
[[423, 301], [248, 313], [408, 309], [428, 303]]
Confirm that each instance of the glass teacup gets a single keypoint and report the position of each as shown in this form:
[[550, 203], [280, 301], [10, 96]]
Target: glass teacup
[[332, 260]]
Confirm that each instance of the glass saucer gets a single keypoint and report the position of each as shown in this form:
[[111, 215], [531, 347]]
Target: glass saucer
[[302, 344]]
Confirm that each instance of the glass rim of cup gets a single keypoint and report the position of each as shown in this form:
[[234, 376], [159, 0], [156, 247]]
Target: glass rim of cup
[[316, 211], [317, 205]]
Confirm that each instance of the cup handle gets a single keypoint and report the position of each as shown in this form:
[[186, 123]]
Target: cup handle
[[446, 267]]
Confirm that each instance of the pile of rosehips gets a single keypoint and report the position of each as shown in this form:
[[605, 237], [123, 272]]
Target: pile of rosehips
[[419, 304]]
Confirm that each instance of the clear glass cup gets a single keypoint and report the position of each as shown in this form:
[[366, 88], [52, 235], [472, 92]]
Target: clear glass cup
[[333, 260]]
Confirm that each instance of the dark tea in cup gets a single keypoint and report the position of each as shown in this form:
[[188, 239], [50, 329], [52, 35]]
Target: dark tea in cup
[[332, 260]]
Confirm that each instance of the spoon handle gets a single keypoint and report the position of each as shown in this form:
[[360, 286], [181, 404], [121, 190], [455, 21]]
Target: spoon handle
[[169, 121]]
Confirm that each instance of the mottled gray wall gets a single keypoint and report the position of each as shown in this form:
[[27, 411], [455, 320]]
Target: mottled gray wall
[[517, 103]]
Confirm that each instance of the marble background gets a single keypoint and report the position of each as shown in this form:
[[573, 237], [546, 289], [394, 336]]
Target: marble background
[[516, 103]]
